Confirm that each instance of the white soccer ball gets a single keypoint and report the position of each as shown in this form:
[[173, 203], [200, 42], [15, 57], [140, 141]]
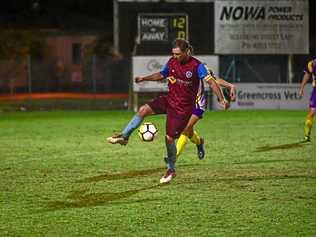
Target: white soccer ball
[[147, 132]]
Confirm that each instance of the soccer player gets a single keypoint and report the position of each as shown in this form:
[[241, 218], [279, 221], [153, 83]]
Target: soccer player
[[185, 75], [200, 105], [309, 71]]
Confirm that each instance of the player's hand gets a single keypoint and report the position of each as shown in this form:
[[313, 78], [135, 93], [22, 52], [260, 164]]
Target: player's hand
[[225, 104], [301, 92], [232, 93], [139, 79]]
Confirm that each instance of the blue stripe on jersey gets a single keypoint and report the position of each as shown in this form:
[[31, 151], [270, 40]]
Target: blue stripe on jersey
[[202, 71], [165, 70], [200, 102]]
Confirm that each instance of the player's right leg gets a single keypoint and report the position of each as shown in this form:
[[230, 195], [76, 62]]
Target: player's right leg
[[181, 143], [174, 127], [122, 138], [170, 160]]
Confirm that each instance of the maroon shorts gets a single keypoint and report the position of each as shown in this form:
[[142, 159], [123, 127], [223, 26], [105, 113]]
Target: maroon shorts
[[175, 123]]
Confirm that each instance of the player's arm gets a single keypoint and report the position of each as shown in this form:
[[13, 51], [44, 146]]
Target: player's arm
[[230, 86], [304, 82], [205, 74], [307, 73], [158, 76], [153, 77], [218, 92]]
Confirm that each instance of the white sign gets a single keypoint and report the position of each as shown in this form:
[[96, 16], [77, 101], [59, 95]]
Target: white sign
[[146, 65], [269, 96], [261, 27]]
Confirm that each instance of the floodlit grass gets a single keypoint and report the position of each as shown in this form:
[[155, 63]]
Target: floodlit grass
[[58, 177]]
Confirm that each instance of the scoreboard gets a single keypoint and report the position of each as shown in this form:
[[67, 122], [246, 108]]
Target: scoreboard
[[162, 28], [149, 27]]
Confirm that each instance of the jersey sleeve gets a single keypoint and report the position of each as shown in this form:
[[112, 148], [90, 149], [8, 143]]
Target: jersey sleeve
[[165, 70], [309, 67], [205, 73]]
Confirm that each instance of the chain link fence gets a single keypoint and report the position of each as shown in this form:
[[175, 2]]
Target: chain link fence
[[263, 68], [98, 75], [99, 80]]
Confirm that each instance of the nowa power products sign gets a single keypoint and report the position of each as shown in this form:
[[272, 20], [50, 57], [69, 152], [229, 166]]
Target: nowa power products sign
[[261, 27]]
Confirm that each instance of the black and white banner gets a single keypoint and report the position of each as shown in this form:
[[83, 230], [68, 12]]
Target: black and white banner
[[146, 65], [269, 96], [261, 27]]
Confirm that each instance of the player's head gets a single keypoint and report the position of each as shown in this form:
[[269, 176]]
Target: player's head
[[181, 49]]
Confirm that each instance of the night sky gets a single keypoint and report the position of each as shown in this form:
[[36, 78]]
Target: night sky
[[85, 15], [57, 14]]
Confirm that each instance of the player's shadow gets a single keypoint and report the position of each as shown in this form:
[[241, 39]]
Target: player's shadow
[[127, 175], [81, 199], [124, 175], [245, 178], [279, 147], [271, 161]]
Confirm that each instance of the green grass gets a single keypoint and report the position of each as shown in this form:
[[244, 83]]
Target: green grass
[[58, 177]]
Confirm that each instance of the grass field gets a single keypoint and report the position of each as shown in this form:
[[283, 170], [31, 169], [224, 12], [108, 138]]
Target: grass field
[[58, 177]]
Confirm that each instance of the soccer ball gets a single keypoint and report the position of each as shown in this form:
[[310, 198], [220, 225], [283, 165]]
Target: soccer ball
[[147, 132]]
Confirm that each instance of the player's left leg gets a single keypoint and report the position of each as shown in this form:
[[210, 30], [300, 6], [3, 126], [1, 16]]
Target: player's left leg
[[156, 106], [199, 142], [309, 124], [122, 138], [310, 116]]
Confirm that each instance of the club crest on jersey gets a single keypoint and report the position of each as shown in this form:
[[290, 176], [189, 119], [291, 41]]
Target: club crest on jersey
[[188, 74]]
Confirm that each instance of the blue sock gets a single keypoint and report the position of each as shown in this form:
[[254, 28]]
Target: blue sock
[[171, 153], [132, 125]]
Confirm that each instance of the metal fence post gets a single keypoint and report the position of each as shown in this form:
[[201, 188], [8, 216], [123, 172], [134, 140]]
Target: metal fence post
[[29, 74], [290, 69], [94, 83]]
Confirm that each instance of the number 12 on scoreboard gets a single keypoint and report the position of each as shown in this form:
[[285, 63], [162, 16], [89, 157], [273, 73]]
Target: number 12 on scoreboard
[[179, 26]]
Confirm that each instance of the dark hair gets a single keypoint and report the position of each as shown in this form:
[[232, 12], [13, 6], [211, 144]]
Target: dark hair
[[183, 45]]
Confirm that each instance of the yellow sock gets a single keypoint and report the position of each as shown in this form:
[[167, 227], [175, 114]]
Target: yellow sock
[[308, 126], [182, 141], [195, 138]]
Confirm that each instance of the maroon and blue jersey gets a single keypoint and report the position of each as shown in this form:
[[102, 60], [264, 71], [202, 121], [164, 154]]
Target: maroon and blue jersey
[[185, 83]]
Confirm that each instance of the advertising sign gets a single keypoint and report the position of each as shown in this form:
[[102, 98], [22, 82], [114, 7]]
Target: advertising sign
[[269, 96], [261, 27]]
